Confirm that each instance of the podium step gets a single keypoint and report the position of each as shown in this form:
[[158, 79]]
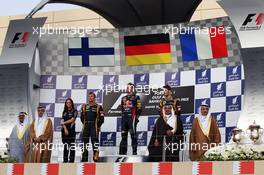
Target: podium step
[[118, 158]]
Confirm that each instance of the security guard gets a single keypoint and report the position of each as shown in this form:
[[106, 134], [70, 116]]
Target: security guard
[[168, 99], [131, 110], [92, 117]]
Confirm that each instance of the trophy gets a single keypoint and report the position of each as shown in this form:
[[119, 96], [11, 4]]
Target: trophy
[[237, 135], [254, 131]]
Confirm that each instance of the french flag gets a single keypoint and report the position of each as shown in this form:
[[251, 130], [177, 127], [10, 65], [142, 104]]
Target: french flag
[[203, 44]]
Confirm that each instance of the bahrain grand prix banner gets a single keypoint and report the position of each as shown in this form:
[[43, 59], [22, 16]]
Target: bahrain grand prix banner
[[150, 101]]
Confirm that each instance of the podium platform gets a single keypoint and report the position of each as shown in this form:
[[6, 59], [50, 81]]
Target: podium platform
[[125, 168], [129, 159]]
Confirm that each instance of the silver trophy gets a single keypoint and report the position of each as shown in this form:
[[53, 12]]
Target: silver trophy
[[237, 135], [254, 131]]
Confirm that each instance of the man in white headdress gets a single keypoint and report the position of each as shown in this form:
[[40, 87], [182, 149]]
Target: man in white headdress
[[18, 137], [168, 126], [38, 148], [204, 134]]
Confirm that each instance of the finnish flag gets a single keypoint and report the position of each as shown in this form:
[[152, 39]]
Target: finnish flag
[[91, 52]]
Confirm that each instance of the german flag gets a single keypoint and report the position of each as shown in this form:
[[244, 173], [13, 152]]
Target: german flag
[[147, 49]]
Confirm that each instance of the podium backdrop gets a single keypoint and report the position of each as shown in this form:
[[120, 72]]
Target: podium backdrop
[[221, 87], [218, 81]]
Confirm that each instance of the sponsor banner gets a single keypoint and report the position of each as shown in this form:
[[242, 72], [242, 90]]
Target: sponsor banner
[[142, 137], [218, 90], [233, 73], [187, 121], [150, 103], [151, 122], [141, 80], [220, 118], [79, 82], [203, 76], [108, 139], [62, 95], [233, 103], [172, 78], [48, 82]]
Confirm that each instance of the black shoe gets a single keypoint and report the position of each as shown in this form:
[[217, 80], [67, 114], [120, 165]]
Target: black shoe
[[134, 153]]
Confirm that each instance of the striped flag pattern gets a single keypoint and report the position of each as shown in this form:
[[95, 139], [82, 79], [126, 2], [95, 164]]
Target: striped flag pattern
[[202, 168], [123, 169], [86, 169], [162, 168], [147, 49], [49, 169], [15, 169], [243, 167], [203, 44]]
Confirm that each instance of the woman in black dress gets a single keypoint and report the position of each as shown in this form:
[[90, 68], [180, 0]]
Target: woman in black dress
[[68, 133]]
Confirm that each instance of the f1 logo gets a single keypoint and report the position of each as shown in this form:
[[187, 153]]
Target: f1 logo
[[259, 20], [23, 37]]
